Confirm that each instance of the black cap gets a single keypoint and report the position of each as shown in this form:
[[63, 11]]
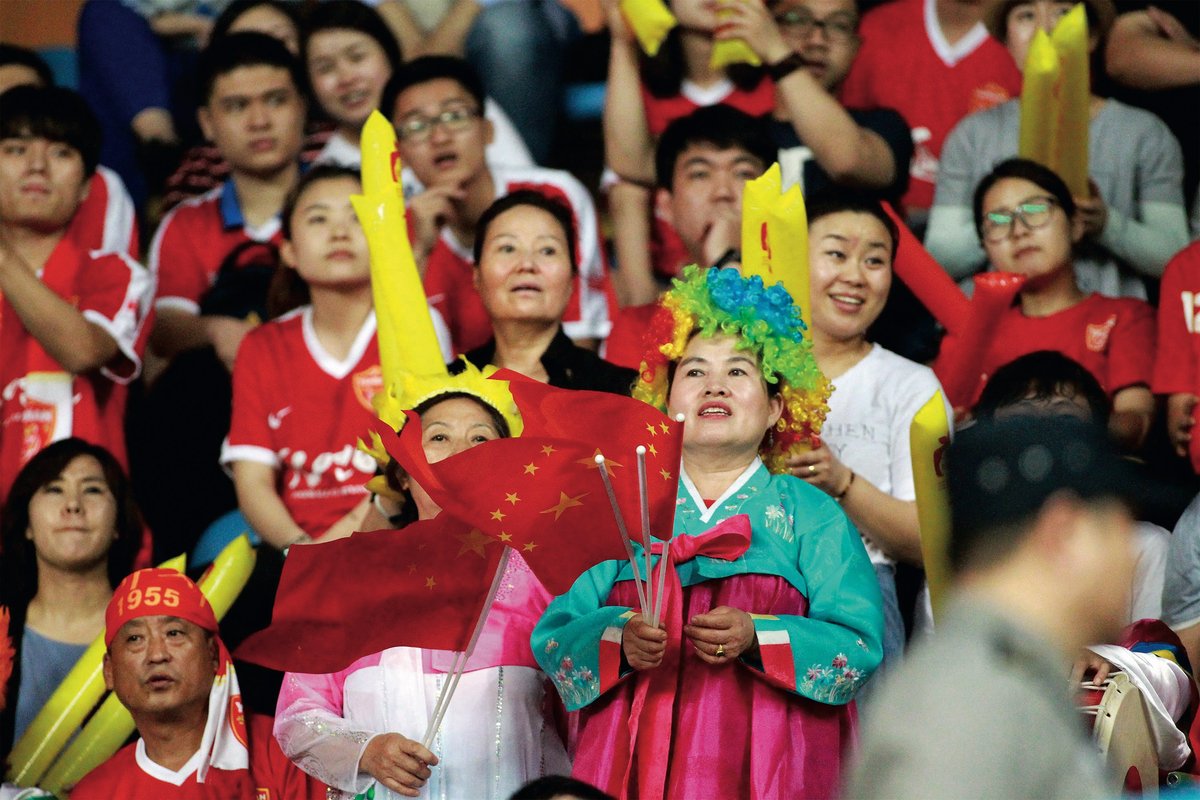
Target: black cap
[[1003, 471]]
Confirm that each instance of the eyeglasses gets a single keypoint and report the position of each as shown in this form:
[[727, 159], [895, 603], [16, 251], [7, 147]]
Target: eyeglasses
[[417, 128], [1033, 213], [837, 28]]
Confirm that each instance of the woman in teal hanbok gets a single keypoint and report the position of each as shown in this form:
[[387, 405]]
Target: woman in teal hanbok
[[746, 689]]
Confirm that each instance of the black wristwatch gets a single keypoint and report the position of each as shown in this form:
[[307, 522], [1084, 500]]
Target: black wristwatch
[[781, 69]]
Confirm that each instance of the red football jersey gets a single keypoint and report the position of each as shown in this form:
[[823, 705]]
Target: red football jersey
[[1113, 337], [662, 111], [1178, 355], [40, 402], [192, 241], [131, 775], [302, 412], [906, 63], [106, 219], [449, 274]]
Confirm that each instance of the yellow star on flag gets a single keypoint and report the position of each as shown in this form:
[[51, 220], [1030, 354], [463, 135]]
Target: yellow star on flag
[[650, 447], [665, 475], [650, 429], [528, 548], [531, 468], [664, 427], [473, 542], [564, 502], [548, 450], [512, 497], [498, 515], [505, 536], [590, 463], [430, 582], [412, 568]]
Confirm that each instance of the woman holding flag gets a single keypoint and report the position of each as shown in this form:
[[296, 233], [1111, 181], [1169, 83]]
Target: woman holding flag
[[771, 615]]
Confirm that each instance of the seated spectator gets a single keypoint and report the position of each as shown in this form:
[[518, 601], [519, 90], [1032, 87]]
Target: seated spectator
[[864, 461], [643, 96], [1048, 384], [106, 220], [1040, 548], [525, 257], [1028, 224], [70, 531], [254, 113], [951, 67], [166, 663], [821, 143], [303, 383], [72, 318], [350, 56], [203, 167], [1135, 219], [517, 47], [435, 104], [1177, 360]]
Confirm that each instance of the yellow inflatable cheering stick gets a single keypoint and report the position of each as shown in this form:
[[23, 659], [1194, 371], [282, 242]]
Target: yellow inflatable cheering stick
[[929, 435], [111, 725], [1055, 98], [650, 21], [65, 711], [775, 236], [727, 52]]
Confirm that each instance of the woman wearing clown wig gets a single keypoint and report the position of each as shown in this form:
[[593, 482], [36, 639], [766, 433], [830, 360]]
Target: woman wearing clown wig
[[746, 689]]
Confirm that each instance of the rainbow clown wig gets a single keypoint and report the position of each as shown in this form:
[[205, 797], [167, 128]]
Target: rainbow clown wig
[[716, 302]]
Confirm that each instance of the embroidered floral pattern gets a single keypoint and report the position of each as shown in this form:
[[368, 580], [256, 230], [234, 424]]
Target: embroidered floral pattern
[[778, 523], [575, 686], [551, 646], [836, 683]]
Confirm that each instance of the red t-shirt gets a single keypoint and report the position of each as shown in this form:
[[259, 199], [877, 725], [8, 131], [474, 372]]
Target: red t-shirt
[[40, 402], [905, 63], [192, 241], [1113, 337], [302, 412], [1178, 355], [449, 273], [106, 219], [131, 775], [662, 111]]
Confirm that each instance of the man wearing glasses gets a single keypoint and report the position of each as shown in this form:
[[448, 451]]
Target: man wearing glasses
[[808, 47], [435, 104]]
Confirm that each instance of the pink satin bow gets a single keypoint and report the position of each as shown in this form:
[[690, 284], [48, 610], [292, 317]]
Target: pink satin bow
[[651, 712]]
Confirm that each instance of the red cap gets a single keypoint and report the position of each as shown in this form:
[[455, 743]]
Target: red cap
[[154, 592]]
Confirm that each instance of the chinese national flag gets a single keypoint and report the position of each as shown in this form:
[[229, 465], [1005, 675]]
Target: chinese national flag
[[423, 586], [613, 425]]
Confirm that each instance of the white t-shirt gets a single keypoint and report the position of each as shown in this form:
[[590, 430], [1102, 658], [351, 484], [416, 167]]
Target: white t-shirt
[[870, 411]]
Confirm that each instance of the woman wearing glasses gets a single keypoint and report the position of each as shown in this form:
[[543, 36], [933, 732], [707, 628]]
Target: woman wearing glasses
[[1029, 225]]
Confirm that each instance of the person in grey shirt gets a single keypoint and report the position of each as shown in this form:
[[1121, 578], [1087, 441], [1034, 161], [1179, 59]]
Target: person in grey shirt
[[1040, 549]]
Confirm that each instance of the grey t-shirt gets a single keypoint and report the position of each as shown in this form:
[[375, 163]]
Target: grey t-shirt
[[44, 664], [1181, 587]]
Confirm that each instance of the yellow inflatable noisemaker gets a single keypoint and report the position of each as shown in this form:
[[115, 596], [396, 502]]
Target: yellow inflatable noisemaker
[[929, 436]]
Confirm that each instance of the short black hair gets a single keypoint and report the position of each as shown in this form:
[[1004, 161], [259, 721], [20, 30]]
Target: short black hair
[[1042, 374], [551, 786], [1043, 177], [836, 201], [530, 197], [55, 114], [234, 10], [720, 126], [248, 49], [431, 68], [14, 55], [350, 15]]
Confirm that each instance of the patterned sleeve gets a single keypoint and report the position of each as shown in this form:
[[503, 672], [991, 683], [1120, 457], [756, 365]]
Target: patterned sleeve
[[828, 655], [577, 642], [311, 731], [114, 294]]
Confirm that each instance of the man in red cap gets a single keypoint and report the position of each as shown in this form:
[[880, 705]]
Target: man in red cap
[[167, 665]]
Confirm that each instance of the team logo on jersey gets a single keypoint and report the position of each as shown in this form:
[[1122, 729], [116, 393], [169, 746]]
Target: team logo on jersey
[[367, 384], [986, 96], [275, 419], [1191, 311], [237, 720], [1096, 337]]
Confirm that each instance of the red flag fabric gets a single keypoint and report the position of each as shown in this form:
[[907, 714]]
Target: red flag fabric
[[543, 497], [423, 586], [613, 425]]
